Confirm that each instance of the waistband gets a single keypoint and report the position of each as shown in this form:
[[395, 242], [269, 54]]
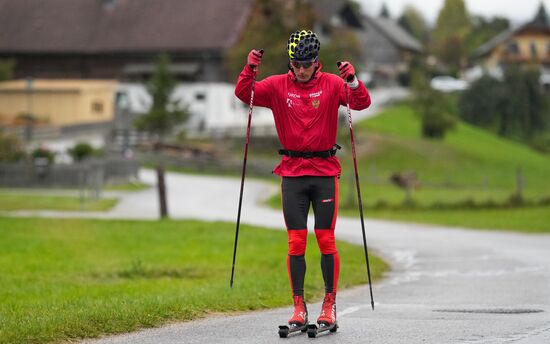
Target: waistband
[[308, 155]]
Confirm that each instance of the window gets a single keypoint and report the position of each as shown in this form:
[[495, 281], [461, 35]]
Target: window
[[533, 48], [97, 107], [512, 48], [200, 96], [122, 100]]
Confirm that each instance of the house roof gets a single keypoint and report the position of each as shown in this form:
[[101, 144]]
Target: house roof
[[100, 26], [327, 8], [541, 21], [395, 33], [68, 85]]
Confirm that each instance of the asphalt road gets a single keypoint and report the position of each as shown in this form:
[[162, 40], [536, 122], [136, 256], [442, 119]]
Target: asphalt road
[[446, 285]]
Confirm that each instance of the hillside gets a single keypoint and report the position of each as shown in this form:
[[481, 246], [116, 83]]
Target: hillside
[[468, 163], [466, 180]]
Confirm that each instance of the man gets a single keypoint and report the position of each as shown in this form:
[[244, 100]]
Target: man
[[305, 104]]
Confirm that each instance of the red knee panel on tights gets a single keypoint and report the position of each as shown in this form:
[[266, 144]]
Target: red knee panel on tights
[[297, 240], [326, 241]]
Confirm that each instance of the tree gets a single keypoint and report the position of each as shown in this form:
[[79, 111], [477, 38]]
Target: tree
[[384, 12], [448, 38], [43, 153], [515, 107], [11, 148], [434, 108], [161, 119], [270, 26], [524, 108], [81, 151], [346, 45], [481, 103], [483, 30], [414, 23]]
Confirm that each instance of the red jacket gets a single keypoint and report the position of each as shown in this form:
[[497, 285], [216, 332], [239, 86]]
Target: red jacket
[[306, 116]]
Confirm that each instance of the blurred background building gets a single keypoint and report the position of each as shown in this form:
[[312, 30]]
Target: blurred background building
[[119, 39], [65, 46], [527, 44]]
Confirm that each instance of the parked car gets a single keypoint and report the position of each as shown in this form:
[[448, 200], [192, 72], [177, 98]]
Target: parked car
[[447, 83]]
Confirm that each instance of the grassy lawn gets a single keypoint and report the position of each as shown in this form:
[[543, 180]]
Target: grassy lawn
[[130, 187], [467, 155], [527, 220], [12, 201], [469, 166], [61, 280]]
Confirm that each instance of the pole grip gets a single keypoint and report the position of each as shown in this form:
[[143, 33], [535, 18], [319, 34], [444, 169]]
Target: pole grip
[[261, 51], [351, 77]]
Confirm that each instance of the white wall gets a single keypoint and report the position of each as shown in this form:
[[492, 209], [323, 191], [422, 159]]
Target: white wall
[[213, 106]]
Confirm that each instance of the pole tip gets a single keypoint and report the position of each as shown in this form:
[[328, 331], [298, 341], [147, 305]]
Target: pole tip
[[372, 304]]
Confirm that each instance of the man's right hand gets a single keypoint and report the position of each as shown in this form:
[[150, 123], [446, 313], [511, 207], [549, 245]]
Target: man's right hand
[[255, 57]]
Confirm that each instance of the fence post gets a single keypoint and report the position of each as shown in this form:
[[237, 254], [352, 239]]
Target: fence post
[[82, 186], [99, 180], [520, 183]]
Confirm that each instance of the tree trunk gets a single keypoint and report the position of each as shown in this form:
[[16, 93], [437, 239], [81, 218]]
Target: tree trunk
[[162, 192]]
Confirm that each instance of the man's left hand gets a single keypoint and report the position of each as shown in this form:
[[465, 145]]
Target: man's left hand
[[347, 72]]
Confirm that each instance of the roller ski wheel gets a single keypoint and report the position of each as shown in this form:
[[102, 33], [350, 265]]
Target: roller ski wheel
[[285, 330], [313, 330]]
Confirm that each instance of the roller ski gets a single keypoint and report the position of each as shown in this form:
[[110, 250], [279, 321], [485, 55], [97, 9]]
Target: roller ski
[[298, 322], [313, 330], [327, 319]]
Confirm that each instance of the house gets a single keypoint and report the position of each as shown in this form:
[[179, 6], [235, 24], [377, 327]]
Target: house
[[526, 44], [119, 39], [214, 109], [58, 103], [388, 47]]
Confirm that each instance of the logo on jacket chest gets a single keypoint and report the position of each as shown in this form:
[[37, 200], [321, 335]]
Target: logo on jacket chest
[[315, 101]]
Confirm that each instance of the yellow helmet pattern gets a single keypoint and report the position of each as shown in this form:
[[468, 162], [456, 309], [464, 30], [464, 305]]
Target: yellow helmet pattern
[[303, 45]]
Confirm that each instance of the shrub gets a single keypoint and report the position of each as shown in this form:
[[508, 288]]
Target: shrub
[[433, 107], [81, 151], [515, 107], [43, 152], [11, 148]]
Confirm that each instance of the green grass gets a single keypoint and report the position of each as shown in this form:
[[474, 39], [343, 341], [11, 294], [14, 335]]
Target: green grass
[[131, 187], [469, 166], [526, 220], [534, 219], [468, 155], [61, 280], [12, 201], [481, 165]]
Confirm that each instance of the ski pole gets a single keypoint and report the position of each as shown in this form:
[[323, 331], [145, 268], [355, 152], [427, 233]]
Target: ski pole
[[247, 141], [358, 193]]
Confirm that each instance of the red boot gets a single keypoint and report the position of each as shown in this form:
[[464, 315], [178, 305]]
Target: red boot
[[328, 310], [299, 317]]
